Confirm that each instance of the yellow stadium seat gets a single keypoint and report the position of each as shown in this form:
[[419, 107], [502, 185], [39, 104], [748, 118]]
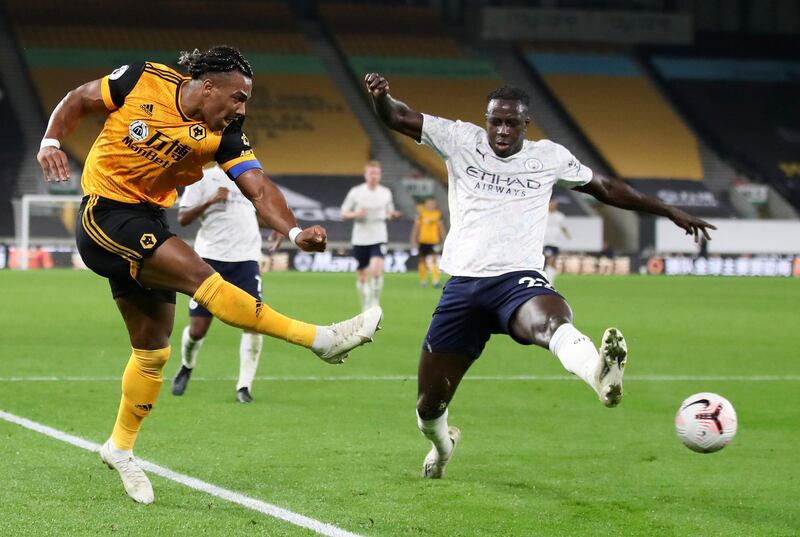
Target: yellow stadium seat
[[631, 125], [301, 124]]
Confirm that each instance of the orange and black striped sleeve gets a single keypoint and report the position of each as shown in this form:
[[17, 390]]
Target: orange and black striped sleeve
[[234, 155], [116, 86]]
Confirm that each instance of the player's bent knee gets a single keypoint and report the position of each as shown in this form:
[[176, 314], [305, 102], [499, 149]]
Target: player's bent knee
[[147, 336], [552, 324], [430, 409], [198, 273], [198, 327], [197, 334], [544, 332]]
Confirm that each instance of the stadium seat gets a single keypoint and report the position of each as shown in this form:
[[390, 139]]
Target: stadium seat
[[622, 114]]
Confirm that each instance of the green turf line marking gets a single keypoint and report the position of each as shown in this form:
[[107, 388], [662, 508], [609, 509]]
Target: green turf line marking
[[268, 509]]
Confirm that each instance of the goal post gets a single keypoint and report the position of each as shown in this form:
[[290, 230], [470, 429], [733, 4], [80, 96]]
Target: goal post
[[24, 233]]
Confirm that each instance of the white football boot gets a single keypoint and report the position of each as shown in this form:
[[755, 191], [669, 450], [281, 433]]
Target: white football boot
[[433, 466], [134, 479], [347, 335], [613, 357]]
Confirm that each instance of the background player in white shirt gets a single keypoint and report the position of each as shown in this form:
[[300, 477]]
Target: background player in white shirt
[[554, 235], [499, 186], [229, 240], [369, 205]]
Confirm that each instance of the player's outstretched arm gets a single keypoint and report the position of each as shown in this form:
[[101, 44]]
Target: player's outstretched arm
[[620, 194], [395, 114], [354, 214], [66, 117], [272, 209], [187, 215]]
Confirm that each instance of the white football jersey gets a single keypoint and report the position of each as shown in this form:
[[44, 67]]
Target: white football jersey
[[378, 203], [228, 230], [498, 206], [554, 232]]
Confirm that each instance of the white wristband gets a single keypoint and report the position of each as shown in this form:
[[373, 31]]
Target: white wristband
[[50, 142], [293, 233]]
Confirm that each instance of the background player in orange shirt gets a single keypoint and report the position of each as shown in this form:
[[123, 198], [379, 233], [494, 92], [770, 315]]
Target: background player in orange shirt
[[161, 128], [428, 232]]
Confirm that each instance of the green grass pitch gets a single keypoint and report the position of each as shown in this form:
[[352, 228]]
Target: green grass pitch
[[539, 457]]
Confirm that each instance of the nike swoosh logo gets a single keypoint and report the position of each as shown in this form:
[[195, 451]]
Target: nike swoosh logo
[[705, 402]]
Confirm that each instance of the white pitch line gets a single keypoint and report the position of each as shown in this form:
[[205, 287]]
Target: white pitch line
[[367, 378], [274, 511]]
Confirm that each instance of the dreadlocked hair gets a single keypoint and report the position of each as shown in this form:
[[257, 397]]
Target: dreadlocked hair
[[219, 59], [509, 93]]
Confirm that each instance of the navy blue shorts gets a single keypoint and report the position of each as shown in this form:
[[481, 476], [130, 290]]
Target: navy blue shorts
[[246, 275], [472, 309], [364, 252]]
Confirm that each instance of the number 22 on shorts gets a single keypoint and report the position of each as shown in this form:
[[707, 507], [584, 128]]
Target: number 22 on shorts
[[534, 282]]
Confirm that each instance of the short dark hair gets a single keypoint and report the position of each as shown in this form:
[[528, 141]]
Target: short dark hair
[[509, 93], [219, 59]]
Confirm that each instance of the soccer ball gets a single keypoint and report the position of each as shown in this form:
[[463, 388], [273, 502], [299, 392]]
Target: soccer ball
[[705, 422]]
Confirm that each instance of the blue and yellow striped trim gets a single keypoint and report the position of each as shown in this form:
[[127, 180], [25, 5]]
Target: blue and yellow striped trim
[[236, 167]]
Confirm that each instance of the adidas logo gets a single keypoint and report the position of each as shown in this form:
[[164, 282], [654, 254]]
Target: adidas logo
[[148, 109], [259, 308], [146, 407]]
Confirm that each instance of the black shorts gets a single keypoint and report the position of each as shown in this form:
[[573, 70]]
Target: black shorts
[[426, 249], [246, 275], [364, 252], [114, 238]]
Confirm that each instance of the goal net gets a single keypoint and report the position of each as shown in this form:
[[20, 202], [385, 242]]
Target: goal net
[[45, 232]]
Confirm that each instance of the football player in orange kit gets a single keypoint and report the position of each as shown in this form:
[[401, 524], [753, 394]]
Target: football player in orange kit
[[161, 128]]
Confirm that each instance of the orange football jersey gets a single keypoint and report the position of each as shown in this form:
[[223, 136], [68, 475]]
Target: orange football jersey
[[429, 226], [148, 147]]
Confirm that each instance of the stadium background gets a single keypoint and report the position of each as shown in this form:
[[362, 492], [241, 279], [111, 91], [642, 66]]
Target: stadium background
[[694, 101], [691, 101]]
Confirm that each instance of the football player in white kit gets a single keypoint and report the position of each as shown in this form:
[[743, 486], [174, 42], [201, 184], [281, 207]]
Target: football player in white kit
[[369, 205], [499, 188], [229, 240]]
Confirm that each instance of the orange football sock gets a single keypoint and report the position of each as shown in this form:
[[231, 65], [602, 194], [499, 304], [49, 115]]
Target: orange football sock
[[423, 271], [141, 383], [237, 308], [435, 275]]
